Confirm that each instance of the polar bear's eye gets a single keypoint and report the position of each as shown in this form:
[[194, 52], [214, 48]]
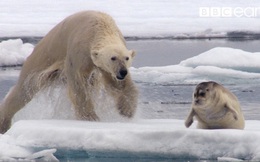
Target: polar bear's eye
[[127, 58], [113, 58]]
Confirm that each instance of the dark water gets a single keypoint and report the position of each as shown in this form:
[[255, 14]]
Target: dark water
[[105, 156], [164, 101], [171, 52]]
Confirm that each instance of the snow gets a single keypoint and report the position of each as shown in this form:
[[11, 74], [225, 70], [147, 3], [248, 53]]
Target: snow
[[14, 52], [57, 130], [226, 58], [168, 18], [226, 65], [155, 138]]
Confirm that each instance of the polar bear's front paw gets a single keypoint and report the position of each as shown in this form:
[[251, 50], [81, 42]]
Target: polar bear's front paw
[[128, 112], [89, 117], [92, 117], [127, 105]]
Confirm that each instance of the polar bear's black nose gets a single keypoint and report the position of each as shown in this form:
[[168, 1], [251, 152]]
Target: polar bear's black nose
[[123, 72]]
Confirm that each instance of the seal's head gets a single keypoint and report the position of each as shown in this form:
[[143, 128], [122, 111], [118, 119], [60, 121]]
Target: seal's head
[[204, 93]]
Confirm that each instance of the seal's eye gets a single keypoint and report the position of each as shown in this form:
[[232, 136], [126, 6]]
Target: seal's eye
[[127, 58], [113, 58]]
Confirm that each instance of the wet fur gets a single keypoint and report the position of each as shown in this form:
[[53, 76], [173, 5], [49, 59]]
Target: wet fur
[[64, 56]]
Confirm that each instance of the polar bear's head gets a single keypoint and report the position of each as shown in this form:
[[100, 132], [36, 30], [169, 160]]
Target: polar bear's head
[[113, 59]]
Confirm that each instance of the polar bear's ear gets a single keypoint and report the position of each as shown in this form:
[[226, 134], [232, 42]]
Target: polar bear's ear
[[132, 53]]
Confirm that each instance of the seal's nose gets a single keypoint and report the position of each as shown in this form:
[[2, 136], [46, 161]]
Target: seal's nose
[[197, 101]]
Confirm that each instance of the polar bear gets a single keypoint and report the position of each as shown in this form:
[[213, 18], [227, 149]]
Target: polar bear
[[83, 51]]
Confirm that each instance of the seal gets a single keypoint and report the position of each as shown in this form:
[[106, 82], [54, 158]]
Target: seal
[[215, 107]]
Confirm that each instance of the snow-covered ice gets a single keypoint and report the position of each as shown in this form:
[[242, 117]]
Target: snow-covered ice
[[168, 18], [165, 138], [14, 52], [226, 65]]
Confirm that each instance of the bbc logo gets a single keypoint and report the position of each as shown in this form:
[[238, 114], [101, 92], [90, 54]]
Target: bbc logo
[[229, 12]]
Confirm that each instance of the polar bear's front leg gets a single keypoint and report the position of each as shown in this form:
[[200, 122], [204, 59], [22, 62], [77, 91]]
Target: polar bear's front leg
[[126, 107], [86, 111], [80, 96], [78, 90], [82, 102], [125, 94]]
